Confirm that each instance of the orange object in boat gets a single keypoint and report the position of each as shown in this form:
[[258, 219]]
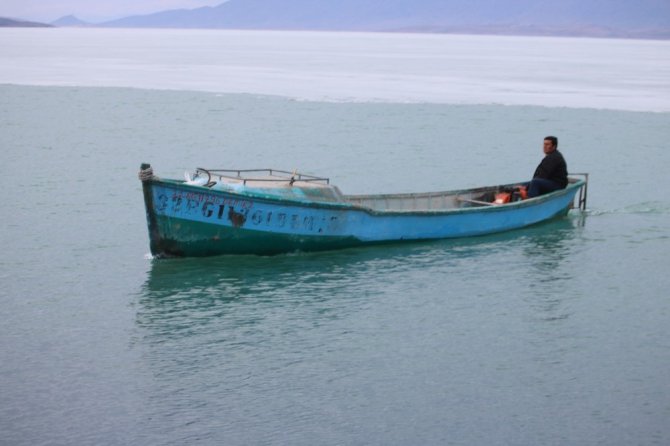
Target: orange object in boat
[[502, 198], [523, 192]]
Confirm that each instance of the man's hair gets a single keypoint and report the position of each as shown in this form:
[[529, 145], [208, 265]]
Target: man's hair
[[553, 140]]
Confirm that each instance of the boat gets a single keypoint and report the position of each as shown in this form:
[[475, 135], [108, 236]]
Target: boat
[[269, 211]]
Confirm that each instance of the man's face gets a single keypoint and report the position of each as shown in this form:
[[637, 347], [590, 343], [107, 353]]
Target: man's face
[[548, 146]]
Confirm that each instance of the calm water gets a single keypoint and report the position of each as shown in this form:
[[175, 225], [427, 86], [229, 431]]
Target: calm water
[[552, 335], [338, 66]]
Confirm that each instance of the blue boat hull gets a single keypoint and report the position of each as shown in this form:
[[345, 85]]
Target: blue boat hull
[[188, 220]]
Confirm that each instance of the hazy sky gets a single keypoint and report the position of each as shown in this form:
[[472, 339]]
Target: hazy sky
[[92, 10]]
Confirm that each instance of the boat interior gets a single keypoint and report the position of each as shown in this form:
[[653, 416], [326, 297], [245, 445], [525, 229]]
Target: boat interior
[[437, 201]]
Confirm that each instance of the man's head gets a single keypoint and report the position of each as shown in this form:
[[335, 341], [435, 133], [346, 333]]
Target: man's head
[[550, 144]]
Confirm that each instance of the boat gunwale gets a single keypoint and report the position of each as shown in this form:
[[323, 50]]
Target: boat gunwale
[[574, 184]]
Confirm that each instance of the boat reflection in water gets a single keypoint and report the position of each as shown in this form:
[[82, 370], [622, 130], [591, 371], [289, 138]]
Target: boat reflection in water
[[180, 294]]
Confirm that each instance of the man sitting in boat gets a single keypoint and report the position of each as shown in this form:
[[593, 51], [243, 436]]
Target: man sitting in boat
[[552, 172]]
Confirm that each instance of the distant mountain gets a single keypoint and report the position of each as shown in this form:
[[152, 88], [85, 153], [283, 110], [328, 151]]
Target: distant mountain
[[643, 18], [69, 20], [18, 23]]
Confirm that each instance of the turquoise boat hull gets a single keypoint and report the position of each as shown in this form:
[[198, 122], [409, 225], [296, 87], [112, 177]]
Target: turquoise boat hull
[[194, 220]]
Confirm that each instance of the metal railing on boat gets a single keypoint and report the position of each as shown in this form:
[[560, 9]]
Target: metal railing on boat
[[242, 175], [583, 191]]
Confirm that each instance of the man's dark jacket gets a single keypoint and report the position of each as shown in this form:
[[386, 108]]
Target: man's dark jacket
[[554, 168]]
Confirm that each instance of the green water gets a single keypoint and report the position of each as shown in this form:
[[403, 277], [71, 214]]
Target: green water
[[552, 335]]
